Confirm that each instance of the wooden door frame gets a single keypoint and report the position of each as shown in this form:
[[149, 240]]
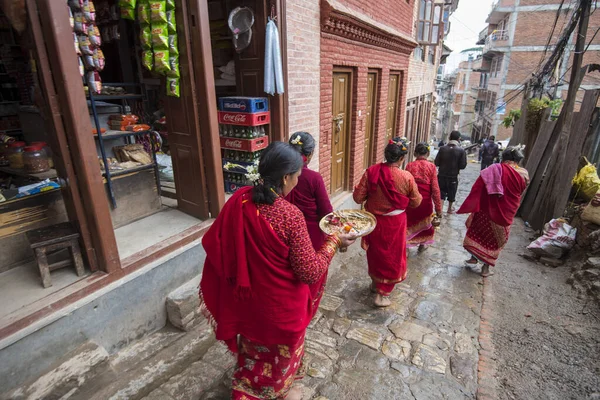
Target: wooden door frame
[[351, 72], [375, 116], [74, 137]]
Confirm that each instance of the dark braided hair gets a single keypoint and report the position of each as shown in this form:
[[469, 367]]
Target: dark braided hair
[[277, 161], [512, 153], [395, 150], [422, 149], [306, 145]]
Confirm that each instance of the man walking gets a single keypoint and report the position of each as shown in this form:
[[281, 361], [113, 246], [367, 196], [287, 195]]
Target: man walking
[[489, 152], [450, 159]]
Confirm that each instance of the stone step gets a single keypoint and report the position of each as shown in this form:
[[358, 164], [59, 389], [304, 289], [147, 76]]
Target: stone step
[[64, 378], [139, 369]]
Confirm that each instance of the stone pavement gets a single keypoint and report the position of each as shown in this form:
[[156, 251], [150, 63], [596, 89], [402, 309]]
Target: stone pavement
[[425, 346]]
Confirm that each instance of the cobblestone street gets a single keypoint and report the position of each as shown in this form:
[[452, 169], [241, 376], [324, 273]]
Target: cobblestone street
[[425, 346]]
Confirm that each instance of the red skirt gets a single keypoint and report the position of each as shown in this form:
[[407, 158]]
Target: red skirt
[[419, 229], [485, 239], [386, 252], [266, 372]]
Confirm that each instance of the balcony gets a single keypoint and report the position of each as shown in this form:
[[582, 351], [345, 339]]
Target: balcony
[[496, 41]]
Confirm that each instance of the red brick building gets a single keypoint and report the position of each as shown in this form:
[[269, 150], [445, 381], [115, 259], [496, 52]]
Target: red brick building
[[515, 46]]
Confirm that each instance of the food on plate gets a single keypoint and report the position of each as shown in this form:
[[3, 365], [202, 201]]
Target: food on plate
[[356, 222]]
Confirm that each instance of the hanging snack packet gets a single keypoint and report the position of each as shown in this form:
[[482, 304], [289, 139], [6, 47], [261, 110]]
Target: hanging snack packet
[[71, 19], [130, 4], [146, 37], [161, 61], [128, 13], [99, 60], [76, 43], [143, 12], [160, 36], [170, 5], [89, 11], [88, 62], [147, 59], [94, 35], [171, 24], [76, 4], [173, 66], [94, 82], [81, 67], [173, 49], [173, 87], [79, 24], [158, 11], [85, 46]]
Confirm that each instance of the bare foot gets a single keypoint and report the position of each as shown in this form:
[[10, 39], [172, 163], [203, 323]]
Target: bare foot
[[422, 248], [485, 271], [382, 301], [471, 261], [451, 210], [295, 393]]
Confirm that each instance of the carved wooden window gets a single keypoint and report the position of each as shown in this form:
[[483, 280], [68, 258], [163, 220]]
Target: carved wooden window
[[429, 22]]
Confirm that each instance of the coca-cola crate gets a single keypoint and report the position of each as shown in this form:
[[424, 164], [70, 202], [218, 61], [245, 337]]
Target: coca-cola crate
[[236, 169], [245, 144], [244, 119], [244, 104]]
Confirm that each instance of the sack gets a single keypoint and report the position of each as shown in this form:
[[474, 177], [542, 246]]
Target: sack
[[591, 214], [558, 238], [587, 182]]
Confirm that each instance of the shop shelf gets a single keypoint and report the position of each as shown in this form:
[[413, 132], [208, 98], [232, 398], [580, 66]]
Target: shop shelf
[[42, 176], [130, 170], [110, 134], [117, 97]]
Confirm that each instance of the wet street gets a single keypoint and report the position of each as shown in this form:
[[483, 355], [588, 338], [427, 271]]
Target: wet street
[[425, 346]]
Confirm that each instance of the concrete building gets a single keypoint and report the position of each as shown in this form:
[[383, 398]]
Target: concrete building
[[466, 90], [515, 46]]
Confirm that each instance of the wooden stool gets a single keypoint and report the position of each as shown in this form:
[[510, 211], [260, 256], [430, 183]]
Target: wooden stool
[[51, 239]]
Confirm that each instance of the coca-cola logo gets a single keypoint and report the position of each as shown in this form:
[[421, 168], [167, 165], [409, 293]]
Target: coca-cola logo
[[234, 118], [238, 106], [233, 143]]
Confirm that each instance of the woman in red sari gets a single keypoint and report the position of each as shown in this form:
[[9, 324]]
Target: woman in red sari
[[254, 287], [493, 202], [310, 196], [388, 192], [420, 231]]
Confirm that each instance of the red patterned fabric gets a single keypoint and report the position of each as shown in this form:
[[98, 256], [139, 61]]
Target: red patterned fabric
[[380, 179], [386, 245], [266, 372], [259, 263], [419, 228], [492, 215], [310, 196]]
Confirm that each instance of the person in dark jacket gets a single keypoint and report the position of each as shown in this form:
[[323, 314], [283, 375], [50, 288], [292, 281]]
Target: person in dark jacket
[[489, 152], [450, 160]]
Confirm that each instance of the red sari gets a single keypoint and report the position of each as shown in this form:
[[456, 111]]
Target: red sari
[[420, 231], [493, 203], [310, 196], [254, 290], [387, 189]]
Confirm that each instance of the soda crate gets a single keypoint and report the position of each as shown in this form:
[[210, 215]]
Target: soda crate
[[231, 187], [250, 145], [244, 104], [244, 119]]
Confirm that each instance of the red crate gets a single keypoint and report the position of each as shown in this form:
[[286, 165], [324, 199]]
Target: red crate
[[244, 119], [245, 144]]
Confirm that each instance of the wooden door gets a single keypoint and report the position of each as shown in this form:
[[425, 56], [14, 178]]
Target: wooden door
[[370, 117], [250, 63], [340, 130], [392, 108], [183, 125]]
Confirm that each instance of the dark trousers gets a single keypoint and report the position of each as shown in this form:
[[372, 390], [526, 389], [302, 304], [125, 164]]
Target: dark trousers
[[486, 163], [448, 187]]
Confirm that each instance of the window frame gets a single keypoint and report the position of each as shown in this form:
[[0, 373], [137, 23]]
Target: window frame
[[430, 21]]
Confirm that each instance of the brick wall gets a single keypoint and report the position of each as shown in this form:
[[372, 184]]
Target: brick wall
[[392, 13], [537, 2], [303, 49], [338, 52], [533, 28]]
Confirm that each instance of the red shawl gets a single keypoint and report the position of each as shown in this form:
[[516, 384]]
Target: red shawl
[[501, 209], [248, 287], [380, 176]]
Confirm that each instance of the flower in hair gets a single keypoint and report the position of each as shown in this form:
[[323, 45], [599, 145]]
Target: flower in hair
[[392, 141], [296, 141]]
